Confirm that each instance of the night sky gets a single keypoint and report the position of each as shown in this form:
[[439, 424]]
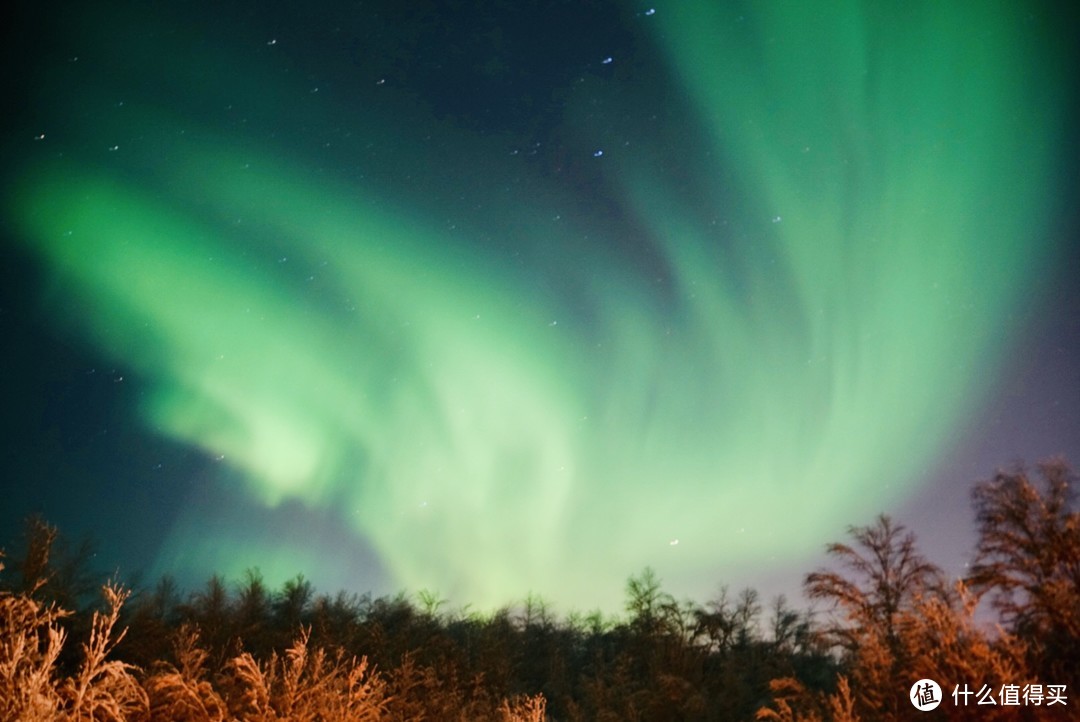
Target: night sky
[[493, 297]]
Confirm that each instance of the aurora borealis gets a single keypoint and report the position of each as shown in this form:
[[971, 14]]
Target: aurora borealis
[[695, 291]]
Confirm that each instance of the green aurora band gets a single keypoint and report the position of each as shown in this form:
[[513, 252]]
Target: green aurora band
[[337, 345]]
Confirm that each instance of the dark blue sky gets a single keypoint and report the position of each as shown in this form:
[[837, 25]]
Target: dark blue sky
[[548, 84]]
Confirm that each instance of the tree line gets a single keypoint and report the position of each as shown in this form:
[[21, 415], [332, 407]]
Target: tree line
[[886, 617]]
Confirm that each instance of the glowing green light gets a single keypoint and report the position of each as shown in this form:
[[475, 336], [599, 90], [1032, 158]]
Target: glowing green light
[[344, 352]]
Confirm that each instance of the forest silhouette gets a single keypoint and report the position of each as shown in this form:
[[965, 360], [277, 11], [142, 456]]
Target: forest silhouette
[[73, 648]]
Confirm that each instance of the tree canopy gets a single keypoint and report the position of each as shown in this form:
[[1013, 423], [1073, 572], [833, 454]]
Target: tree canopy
[[887, 617]]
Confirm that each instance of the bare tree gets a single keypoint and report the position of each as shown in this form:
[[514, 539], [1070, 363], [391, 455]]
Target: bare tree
[[1028, 560], [884, 575], [882, 582]]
